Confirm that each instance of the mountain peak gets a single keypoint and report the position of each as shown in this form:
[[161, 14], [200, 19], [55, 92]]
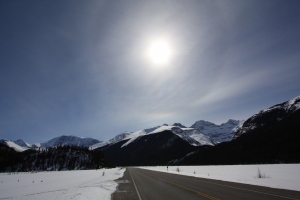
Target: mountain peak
[[22, 143], [70, 140], [270, 116], [201, 124], [233, 122], [179, 125], [13, 145], [115, 139], [218, 133], [293, 104]]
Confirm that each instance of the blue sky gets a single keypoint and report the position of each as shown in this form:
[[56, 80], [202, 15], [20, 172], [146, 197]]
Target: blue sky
[[81, 67]]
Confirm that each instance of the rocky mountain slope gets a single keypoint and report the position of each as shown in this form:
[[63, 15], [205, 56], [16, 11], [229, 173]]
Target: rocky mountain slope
[[149, 149], [13, 145], [269, 117], [271, 136], [70, 140]]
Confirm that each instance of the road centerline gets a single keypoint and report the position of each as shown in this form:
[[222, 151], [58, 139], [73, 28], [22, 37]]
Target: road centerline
[[246, 189], [238, 188], [223, 185], [197, 192]]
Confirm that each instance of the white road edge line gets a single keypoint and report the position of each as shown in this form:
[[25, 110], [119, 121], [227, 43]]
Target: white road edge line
[[135, 185]]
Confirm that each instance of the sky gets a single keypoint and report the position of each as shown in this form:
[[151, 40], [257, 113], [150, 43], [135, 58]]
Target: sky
[[85, 68]]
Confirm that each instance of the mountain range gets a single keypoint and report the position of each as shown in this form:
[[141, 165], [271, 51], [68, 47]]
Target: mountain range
[[200, 133], [270, 136], [21, 145]]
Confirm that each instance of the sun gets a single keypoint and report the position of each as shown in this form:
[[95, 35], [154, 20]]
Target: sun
[[159, 52]]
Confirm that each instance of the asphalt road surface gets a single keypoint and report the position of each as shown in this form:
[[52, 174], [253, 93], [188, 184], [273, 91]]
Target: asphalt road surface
[[144, 184]]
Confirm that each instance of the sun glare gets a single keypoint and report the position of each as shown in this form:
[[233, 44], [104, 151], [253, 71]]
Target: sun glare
[[159, 52]]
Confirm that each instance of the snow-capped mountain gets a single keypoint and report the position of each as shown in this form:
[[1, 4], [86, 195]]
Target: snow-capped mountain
[[162, 144], [218, 133], [276, 126], [192, 136], [70, 140], [115, 139], [270, 116], [270, 136], [13, 145], [139, 133], [179, 125], [198, 136], [131, 136], [22, 143], [200, 133], [148, 149]]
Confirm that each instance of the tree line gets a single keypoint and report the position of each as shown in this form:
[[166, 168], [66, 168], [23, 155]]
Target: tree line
[[61, 157]]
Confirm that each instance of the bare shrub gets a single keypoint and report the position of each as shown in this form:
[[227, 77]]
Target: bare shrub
[[260, 174]]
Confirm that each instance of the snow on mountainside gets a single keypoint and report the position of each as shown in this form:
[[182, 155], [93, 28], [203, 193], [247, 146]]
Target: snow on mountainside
[[36, 145], [115, 139], [218, 133], [22, 143], [289, 106], [139, 133], [70, 140], [270, 116], [13, 145], [177, 131], [201, 133], [131, 136], [198, 136], [192, 136]]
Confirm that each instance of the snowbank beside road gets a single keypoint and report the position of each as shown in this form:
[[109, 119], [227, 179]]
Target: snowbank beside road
[[283, 176], [85, 184]]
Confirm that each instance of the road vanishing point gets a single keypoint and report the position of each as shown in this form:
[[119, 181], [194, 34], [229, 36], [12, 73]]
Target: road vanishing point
[[142, 184]]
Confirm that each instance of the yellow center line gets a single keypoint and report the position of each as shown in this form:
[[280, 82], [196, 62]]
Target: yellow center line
[[197, 192]]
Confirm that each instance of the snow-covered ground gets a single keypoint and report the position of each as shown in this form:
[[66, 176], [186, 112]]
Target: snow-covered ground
[[93, 184], [284, 176], [83, 185]]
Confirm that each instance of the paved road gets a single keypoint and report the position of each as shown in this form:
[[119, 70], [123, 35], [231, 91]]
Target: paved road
[[144, 184]]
